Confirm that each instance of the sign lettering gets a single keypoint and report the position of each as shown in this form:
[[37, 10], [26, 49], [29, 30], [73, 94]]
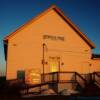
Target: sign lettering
[[61, 38]]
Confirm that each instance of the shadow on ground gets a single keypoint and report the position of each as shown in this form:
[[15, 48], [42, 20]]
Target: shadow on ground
[[12, 93]]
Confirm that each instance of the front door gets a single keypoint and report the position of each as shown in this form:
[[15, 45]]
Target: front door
[[54, 64]]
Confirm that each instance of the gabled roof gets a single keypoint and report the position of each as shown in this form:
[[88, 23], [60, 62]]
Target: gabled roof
[[59, 12]]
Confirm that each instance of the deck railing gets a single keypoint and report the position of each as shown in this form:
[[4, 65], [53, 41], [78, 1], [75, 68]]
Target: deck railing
[[80, 80], [64, 77], [58, 76], [96, 78], [49, 77]]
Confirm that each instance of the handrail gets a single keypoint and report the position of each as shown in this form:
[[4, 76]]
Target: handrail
[[80, 77], [97, 82], [81, 82], [55, 77], [49, 73], [94, 76], [67, 72], [96, 73], [58, 72]]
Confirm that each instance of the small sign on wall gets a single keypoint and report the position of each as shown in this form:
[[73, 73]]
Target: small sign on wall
[[52, 37]]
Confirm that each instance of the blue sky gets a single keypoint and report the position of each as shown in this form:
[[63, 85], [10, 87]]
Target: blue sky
[[85, 14]]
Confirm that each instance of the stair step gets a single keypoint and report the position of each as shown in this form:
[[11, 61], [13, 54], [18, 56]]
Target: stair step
[[69, 92]]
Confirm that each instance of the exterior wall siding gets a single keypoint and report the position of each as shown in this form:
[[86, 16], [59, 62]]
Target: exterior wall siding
[[95, 65], [25, 49]]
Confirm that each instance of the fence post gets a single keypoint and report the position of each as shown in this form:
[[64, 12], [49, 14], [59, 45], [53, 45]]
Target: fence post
[[75, 77], [93, 76], [58, 77]]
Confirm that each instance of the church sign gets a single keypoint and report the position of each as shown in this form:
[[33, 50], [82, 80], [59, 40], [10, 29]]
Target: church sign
[[52, 37]]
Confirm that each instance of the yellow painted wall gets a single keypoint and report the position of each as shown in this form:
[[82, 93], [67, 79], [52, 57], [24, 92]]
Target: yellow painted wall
[[95, 67], [25, 48]]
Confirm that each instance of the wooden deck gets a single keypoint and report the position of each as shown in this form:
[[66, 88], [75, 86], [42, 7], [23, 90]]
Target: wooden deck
[[55, 78]]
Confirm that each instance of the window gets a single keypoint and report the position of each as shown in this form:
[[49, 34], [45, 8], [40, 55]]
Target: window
[[21, 75]]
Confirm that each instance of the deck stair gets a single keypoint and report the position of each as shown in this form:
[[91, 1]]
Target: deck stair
[[53, 79], [93, 85], [96, 78], [73, 83], [73, 78]]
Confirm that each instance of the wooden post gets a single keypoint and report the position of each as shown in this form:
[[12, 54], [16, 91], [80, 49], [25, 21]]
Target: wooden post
[[43, 61], [75, 77]]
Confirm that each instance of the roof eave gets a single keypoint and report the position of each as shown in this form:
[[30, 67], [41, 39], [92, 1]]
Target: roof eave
[[63, 16]]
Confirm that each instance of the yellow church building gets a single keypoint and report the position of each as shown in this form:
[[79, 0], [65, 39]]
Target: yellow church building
[[48, 43]]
